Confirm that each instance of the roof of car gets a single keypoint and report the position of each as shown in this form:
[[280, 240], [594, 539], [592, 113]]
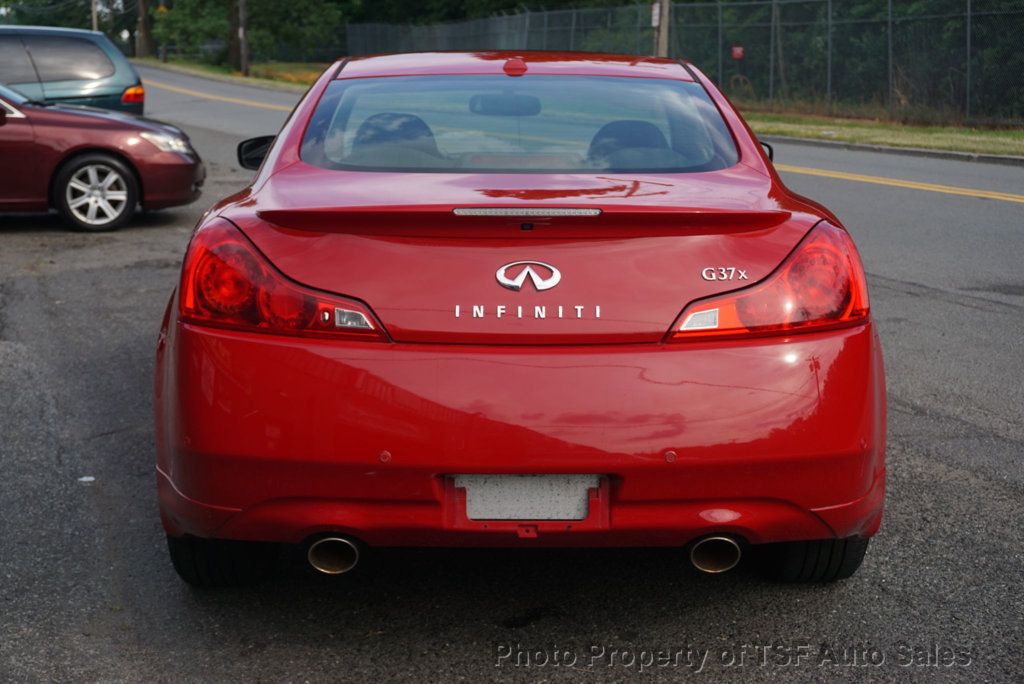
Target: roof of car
[[47, 30], [493, 62]]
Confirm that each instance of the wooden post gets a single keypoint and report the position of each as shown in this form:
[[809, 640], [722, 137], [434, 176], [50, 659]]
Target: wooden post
[[663, 27], [828, 85], [720, 75], [783, 86], [771, 56], [967, 98], [243, 39], [143, 39], [888, 34], [572, 30]]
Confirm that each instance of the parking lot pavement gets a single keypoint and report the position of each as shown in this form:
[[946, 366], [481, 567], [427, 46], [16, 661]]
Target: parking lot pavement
[[87, 592]]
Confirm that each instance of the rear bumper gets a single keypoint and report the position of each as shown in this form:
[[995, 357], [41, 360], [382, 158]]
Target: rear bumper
[[275, 439]]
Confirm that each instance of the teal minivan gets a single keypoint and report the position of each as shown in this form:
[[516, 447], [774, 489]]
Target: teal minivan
[[69, 66]]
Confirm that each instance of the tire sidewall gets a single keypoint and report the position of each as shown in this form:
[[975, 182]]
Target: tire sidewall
[[73, 166]]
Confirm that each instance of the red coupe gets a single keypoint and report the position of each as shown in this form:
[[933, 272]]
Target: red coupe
[[94, 166], [519, 300]]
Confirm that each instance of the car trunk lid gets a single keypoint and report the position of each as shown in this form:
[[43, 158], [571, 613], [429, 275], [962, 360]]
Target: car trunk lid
[[488, 259]]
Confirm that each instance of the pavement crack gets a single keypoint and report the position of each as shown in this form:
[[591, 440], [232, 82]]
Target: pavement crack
[[926, 291], [115, 431], [975, 429]]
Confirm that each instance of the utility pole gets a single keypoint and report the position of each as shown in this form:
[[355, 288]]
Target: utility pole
[[828, 67], [664, 6], [771, 56], [719, 44], [143, 43], [967, 98], [243, 39], [95, 16], [777, 21], [888, 34]]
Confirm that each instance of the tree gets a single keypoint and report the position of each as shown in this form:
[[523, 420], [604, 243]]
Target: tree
[[197, 28], [297, 30]]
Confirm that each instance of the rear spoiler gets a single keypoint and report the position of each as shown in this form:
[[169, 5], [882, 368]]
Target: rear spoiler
[[418, 219]]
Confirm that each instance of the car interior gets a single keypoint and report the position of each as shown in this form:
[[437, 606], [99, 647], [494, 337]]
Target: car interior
[[404, 140]]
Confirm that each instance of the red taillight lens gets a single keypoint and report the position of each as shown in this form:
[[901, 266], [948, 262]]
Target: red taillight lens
[[134, 95], [226, 282], [820, 284]]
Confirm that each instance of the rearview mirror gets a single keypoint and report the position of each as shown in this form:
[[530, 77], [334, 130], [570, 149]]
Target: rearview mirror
[[504, 104], [251, 152], [770, 150]]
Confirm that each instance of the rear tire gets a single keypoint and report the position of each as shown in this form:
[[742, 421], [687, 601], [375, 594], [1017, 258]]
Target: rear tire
[[96, 192], [825, 560], [220, 562]]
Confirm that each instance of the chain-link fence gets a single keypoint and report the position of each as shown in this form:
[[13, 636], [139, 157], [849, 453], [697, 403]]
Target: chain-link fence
[[926, 60]]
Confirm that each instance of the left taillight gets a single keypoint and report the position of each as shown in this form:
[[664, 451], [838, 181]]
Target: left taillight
[[135, 94], [227, 282], [820, 284]]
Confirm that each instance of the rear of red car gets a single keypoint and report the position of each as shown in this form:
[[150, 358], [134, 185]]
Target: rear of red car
[[490, 301]]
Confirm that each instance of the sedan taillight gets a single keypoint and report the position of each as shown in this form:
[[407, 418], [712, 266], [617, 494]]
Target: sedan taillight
[[227, 282], [135, 94], [820, 284]]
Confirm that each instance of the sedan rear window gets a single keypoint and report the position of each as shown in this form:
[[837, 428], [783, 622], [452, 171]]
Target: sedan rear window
[[59, 58], [532, 123]]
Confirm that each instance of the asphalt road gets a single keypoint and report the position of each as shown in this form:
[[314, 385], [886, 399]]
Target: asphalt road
[[87, 592]]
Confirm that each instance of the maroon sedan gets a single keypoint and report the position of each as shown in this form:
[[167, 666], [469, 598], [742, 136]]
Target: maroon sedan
[[94, 166]]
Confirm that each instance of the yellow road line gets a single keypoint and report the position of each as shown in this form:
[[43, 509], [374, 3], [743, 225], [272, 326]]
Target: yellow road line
[[804, 170], [220, 98], [896, 182]]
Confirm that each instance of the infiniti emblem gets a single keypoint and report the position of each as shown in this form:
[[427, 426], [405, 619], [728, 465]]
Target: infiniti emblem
[[530, 269]]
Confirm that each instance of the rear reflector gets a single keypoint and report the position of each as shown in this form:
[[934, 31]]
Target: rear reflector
[[701, 320], [133, 95]]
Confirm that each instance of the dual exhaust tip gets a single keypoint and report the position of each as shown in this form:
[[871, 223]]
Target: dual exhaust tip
[[333, 555], [338, 555], [715, 555]]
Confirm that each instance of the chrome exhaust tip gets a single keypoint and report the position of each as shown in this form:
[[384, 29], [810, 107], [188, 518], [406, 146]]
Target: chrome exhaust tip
[[715, 554], [333, 555]]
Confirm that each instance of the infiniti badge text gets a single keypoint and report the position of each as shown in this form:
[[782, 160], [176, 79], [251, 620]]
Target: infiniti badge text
[[543, 276], [539, 311]]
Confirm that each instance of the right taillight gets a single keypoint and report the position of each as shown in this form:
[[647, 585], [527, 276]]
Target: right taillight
[[135, 94], [227, 282], [820, 284]]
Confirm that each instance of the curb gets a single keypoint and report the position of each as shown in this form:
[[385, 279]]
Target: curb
[[223, 78], [1006, 159]]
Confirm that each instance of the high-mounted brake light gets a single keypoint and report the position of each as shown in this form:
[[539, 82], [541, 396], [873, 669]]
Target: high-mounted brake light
[[226, 282], [133, 95], [821, 284]]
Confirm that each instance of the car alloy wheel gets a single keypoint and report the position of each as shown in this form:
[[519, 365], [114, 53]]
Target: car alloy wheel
[[97, 194]]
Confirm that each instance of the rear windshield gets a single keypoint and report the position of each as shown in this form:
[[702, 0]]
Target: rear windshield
[[532, 123], [15, 66], [62, 58]]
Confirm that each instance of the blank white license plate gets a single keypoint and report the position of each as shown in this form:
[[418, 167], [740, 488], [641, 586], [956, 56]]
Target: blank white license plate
[[527, 497]]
